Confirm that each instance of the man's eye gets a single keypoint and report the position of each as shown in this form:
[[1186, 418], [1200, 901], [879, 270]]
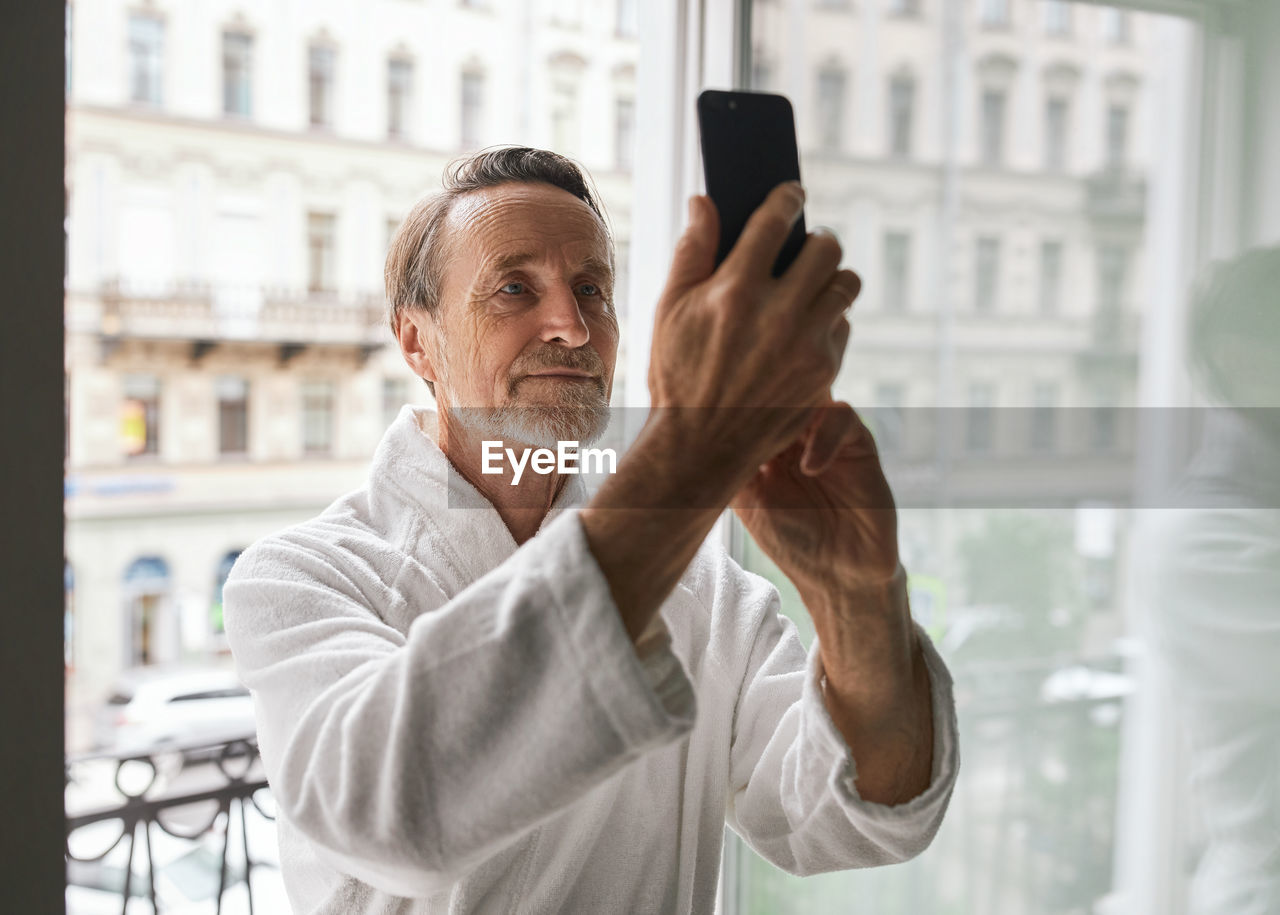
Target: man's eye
[[513, 288], [589, 289]]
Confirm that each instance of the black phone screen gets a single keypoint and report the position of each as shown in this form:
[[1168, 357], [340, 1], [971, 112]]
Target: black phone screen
[[748, 149]]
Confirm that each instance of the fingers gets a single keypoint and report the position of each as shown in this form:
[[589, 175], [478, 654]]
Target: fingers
[[695, 255], [813, 268], [766, 232], [836, 297], [834, 424]]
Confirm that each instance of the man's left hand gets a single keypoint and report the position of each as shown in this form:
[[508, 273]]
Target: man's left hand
[[822, 510]]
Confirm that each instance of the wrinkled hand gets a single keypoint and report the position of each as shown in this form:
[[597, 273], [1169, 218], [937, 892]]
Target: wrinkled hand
[[822, 510], [740, 358]]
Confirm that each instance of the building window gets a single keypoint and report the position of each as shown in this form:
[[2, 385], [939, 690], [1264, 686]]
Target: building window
[[830, 97], [147, 586], [233, 415], [993, 12], [140, 416], [1044, 404], [1117, 25], [1112, 267], [980, 417], [472, 108], [1057, 17], [321, 252], [399, 96], [320, 66], [904, 7], [146, 58], [1055, 134], [564, 116], [220, 577], [624, 133], [889, 417], [1103, 434], [897, 270], [395, 394], [317, 417], [628, 23], [1050, 277], [993, 109], [237, 73], [1117, 136], [986, 275], [902, 101]]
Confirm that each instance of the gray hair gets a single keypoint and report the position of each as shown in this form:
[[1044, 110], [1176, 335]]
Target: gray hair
[[416, 260]]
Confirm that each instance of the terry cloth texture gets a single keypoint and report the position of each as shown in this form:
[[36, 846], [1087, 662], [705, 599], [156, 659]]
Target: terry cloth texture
[[450, 723]]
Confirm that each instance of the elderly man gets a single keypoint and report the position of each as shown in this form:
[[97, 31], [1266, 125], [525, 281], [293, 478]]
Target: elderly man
[[474, 696]]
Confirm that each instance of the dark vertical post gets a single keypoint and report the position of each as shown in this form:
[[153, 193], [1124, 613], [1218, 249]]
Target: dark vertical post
[[32, 78]]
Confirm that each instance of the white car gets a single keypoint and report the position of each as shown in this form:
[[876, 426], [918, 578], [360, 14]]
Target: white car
[[159, 707]]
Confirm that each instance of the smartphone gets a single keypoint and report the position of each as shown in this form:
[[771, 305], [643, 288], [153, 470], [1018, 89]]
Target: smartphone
[[748, 149]]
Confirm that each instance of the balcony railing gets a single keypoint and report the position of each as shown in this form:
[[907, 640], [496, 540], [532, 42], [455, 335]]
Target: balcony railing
[[158, 788], [201, 312]]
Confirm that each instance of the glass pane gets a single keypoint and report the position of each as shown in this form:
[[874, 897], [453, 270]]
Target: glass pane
[[230, 365], [1004, 281]]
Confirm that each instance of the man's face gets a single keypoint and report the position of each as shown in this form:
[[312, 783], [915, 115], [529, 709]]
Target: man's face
[[527, 334]]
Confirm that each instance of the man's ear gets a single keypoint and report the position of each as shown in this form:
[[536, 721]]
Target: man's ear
[[416, 333]]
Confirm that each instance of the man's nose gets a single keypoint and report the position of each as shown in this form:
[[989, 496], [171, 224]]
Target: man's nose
[[562, 319]]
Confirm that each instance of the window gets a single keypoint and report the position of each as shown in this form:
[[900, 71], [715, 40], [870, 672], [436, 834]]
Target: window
[[399, 96], [317, 418], [320, 65], [889, 417], [628, 18], [216, 624], [980, 416], [1103, 429], [321, 252], [1050, 277], [472, 108], [140, 416], [1055, 134], [146, 58], [624, 133], [902, 99], [897, 268], [1117, 26], [564, 115], [1112, 267], [237, 74], [1117, 136], [395, 394], [233, 415], [993, 109], [1057, 17], [993, 12], [1044, 404], [986, 274], [830, 107]]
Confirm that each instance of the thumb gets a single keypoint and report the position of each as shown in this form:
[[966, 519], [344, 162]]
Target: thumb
[[695, 255]]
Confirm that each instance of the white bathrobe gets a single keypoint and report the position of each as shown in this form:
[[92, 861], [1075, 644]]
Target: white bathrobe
[[450, 723]]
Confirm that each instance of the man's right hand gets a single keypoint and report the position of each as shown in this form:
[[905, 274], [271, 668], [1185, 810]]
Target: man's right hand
[[736, 337]]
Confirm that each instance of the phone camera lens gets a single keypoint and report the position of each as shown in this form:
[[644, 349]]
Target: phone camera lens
[[733, 106]]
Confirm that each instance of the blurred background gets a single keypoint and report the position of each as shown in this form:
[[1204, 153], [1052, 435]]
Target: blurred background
[[1034, 192]]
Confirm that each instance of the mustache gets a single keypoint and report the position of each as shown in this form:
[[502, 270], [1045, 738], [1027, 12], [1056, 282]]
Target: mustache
[[583, 360]]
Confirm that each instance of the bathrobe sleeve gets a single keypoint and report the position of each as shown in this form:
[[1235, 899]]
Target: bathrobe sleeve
[[793, 790], [409, 758]]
